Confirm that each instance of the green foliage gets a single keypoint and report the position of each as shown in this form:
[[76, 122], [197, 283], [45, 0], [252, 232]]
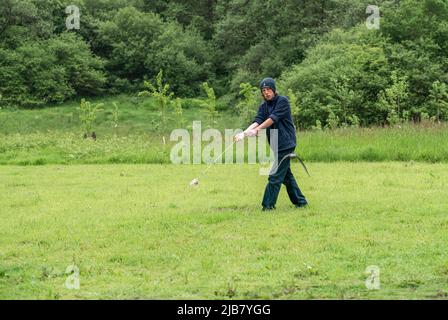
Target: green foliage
[[393, 99], [88, 115], [295, 107], [354, 73], [253, 46], [22, 21], [209, 104], [178, 113], [160, 92], [192, 14], [321, 50], [51, 71], [30, 78], [418, 34], [317, 127], [51, 135], [332, 120], [138, 44], [420, 64], [344, 102], [340, 78], [247, 107], [84, 71], [438, 103], [136, 116], [412, 20], [354, 121]]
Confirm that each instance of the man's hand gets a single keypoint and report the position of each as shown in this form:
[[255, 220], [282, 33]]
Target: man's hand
[[238, 137], [252, 133]]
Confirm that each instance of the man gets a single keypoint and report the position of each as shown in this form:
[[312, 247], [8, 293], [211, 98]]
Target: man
[[275, 113]]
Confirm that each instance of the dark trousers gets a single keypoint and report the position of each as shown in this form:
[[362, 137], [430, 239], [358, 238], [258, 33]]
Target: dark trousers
[[283, 175]]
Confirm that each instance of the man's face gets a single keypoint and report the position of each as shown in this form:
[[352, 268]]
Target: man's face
[[268, 93]]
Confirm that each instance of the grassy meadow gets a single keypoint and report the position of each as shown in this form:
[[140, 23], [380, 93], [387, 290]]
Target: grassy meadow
[[128, 219], [54, 136], [140, 232]]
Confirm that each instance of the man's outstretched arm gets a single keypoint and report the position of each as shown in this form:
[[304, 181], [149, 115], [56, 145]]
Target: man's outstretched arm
[[254, 129], [241, 135], [269, 122]]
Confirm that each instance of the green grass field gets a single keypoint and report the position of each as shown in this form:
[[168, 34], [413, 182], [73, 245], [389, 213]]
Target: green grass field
[[54, 136], [128, 219], [140, 232]]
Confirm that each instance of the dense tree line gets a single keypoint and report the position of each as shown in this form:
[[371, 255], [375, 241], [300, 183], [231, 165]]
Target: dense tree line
[[339, 72], [359, 75]]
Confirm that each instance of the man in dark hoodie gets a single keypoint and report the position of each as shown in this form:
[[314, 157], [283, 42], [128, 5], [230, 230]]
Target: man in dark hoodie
[[275, 113]]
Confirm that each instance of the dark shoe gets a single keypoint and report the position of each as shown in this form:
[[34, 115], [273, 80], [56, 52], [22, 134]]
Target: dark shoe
[[268, 208], [301, 205]]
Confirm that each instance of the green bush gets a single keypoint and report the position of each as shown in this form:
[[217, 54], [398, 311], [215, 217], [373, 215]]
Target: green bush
[[438, 103], [88, 115], [340, 79], [137, 45], [248, 106], [50, 71], [163, 97], [209, 105]]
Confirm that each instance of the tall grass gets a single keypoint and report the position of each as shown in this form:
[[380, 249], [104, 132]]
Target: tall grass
[[410, 143], [54, 136], [426, 142], [136, 116]]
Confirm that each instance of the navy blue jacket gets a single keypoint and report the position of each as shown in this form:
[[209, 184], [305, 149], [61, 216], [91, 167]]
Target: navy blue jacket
[[279, 110]]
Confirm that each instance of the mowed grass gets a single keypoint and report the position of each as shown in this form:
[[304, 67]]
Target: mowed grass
[[140, 232]]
